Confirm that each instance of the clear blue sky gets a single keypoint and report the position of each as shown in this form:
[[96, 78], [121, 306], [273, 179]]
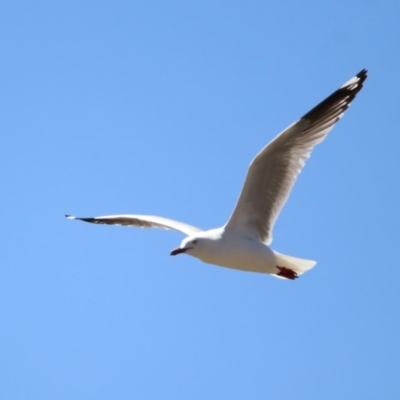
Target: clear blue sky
[[157, 107]]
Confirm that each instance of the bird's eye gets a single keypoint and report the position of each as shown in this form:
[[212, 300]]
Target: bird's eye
[[194, 241]]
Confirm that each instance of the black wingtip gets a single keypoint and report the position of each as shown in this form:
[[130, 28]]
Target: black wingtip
[[362, 75], [91, 220], [355, 84], [363, 72], [345, 95]]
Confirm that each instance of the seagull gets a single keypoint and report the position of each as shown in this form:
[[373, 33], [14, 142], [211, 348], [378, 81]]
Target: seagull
[[243, 242]]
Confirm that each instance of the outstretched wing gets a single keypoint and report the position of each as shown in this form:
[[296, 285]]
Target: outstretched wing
[[274, 170], [141, 221]]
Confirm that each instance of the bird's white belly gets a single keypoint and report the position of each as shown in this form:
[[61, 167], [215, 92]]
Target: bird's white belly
[[248, 255]]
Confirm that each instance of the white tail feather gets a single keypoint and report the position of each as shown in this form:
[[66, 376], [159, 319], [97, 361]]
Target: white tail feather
[[299, 265]]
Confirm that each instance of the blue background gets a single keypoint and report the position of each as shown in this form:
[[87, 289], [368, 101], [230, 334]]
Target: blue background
[[157, 108]]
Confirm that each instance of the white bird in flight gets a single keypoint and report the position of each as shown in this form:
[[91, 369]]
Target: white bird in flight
[[243, 242]]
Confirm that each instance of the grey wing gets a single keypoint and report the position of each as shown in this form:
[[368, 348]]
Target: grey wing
[[274, 170], [141, 221]]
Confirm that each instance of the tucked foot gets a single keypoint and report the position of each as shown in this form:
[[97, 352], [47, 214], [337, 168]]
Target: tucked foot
[[287, 273]]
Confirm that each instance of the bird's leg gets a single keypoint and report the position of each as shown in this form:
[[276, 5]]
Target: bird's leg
[[287, 273]]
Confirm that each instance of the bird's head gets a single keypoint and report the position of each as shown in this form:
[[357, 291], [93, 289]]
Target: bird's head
[[188, 245]]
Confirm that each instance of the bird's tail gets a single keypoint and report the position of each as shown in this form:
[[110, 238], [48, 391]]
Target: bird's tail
[[298, 265]]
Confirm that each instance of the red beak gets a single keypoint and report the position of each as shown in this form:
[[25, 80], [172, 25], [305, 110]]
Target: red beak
[[177, 251]]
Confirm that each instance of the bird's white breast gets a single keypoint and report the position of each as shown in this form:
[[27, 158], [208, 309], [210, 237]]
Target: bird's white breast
[[232, 250]]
